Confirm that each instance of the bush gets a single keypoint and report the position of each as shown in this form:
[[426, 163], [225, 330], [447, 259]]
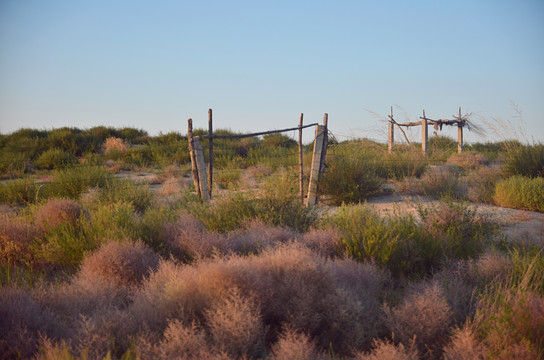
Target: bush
[[114, 148], [16, 237], [122, 263], [397, 243], [424, 315], [57, 212], [73, 181], [277, 205], [461, 233], [115, 190], [55, 159], [481, 184], [349, 180], [387, 350], [525, 160], [467, 160], [295, 345], [438, 182], [521, 193], [20, 191]]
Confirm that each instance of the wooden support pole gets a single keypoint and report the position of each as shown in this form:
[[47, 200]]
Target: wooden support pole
[[391, 138], [424, 135], [210, 147], [194, 168], [460, 124], [316, 165], [300, 159], [201, 167], [325, 143]]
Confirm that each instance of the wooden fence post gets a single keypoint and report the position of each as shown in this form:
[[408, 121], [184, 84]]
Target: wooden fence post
[[210, 146], [201, 167], [424, 135], [300, 159], [325, 143], [194, 168], [391, 142], [460, 124], [319, 144]]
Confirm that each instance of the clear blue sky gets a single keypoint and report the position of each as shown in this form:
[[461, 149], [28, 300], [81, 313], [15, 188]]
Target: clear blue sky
[[258, 64]]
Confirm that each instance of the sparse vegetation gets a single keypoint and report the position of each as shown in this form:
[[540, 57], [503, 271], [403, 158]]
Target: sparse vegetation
[[96, 262]]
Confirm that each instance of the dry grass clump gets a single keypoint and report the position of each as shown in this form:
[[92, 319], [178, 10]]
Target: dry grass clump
[[188, 240], [115, 145], [22, 321], [172, 186], [387, 350], [467, 160], [464, 346], [16, 236], [258, 236], [292, 285], [481, 183], [293, 344], [442, 181], [425, 314], [236, 326], [122, 263], [325, 242], [57, 212]]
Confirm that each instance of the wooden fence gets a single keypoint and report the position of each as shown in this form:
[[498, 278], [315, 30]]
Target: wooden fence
[[204, 181], [460, 121]]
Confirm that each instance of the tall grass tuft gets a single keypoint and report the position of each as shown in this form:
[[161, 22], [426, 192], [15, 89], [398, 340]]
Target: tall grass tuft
[[524, 160], [521, 193]]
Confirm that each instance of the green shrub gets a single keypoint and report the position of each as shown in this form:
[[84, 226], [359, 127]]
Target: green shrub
[[401, 164], [137, 194], [277, 205], [396, 242], [525, 160], [521, 193], [13, 164], [349, 180], [461, 233], [55, 159], [73, 181], [438, 182], [20, 191]]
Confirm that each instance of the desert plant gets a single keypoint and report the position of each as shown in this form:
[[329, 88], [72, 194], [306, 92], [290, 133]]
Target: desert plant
[[55, 159], [20, 191], [461, 233], [524, 160], [72, 182], [464, 346], [481, 183], [424, 314], [295, 345], [114, 147], [56, 212], [236, 325], [521, 193], [115, 190], [387, 350], [438, 182], [16, 237], [123, 263], [396, 242], [349, 180]]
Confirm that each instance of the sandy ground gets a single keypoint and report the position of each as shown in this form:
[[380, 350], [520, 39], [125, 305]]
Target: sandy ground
[[515, 223]]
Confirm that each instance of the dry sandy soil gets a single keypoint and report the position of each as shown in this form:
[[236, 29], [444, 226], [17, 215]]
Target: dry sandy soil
[[521, 224]]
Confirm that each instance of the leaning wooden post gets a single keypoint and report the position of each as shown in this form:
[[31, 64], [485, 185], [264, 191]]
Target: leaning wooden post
[[325, 143], [391, 139], [201, 167], [316, 165], [300, 159], [210, 146], [424, 135], [194, 168], [460, 125]]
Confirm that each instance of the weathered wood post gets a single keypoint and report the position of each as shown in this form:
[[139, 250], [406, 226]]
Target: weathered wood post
[[201, 167], [300, 159], [325, 143], [391, 137], [194, 168], [460, 124], [319, 143], [210, 147], [424, 135]]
